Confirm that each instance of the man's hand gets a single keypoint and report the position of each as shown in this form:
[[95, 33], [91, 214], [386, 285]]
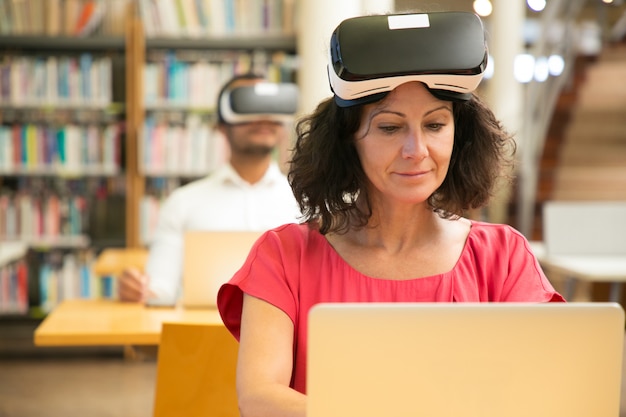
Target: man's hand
[[133, 286]]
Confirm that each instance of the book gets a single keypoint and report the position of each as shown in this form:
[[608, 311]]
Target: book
[[53, 15], [114, 21], [168, 18], [203, 18], [18, 17], [191, 18], [180, 16], [6, 23], [89, 17], [149, 17], [70, 16]]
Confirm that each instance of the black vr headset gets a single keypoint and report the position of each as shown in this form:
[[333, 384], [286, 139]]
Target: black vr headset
[[276, 102], [372, 55]]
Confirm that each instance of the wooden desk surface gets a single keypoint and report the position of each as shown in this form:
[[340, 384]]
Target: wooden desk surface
[[105, 322], [114, 261]]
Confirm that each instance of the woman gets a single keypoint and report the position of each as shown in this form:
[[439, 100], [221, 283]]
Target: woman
[[382, 187]]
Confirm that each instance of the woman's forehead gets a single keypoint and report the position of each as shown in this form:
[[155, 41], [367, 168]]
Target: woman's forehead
[[409, 94]]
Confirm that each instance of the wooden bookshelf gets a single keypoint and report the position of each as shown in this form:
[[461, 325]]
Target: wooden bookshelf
[[61, 43], [46, 194], [252, 45], [129, 49], [135, 53], [248, 42]]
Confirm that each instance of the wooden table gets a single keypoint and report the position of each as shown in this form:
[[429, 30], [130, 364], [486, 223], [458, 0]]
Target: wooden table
[[105, 322], [113, 261]]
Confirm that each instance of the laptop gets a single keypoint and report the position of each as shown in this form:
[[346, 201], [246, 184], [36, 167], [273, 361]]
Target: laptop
[[210, 259], [469, 360]]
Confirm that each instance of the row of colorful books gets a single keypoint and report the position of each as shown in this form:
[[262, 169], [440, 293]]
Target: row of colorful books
[[203, 18], [191, 148], [193, 78], [149, 209], [82, 79], [29, 216], [157, 190], [14, 287], [69, 275], [36, 148], [63, 17], [99, 187], [43, 279]]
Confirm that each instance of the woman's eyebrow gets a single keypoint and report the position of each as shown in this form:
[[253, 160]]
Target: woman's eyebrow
[[442, 107], [385, 110]]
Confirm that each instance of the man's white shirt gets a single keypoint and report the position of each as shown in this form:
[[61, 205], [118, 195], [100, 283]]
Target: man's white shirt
[[220, 201]]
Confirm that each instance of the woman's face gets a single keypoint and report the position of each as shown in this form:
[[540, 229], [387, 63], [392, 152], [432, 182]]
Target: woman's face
[[405, 143]]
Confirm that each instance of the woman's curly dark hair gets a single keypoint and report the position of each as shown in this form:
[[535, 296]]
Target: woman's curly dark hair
[[326, 173]]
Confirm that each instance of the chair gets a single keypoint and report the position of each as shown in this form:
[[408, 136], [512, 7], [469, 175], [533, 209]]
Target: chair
[[584, 242], [585, 227], [196, 371]]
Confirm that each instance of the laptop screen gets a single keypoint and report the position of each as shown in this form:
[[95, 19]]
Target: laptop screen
[[210, 259], [470, 360]]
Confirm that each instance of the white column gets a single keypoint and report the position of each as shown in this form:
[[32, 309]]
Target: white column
[[317, 20], [503, 93], [378, 6]]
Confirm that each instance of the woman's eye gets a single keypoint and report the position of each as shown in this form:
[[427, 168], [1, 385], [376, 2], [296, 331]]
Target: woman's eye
[[435, 126], [388, 128]]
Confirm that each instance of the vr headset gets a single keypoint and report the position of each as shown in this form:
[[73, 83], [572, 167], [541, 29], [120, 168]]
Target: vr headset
[[276, 102], [372, 55]]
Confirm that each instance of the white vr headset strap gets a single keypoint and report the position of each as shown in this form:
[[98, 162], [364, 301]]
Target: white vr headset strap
[[351, 90]]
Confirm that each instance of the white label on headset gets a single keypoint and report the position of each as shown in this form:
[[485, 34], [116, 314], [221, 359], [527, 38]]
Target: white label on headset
[[266, 89], [408, 21]]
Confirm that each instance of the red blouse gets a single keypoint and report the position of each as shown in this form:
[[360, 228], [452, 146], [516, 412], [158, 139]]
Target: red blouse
[[293, 268]]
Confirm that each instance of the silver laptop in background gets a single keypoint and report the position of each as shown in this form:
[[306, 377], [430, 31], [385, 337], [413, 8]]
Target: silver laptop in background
[[210, 259], [465, 359]]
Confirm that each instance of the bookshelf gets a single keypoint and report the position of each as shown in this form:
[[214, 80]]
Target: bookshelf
[[62, 128], [75, 177], [185, 63]]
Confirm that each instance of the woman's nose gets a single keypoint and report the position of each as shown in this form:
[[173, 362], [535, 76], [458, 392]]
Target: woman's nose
[[414, 146]]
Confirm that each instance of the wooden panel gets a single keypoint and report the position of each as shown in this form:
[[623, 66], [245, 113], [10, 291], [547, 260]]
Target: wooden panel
[[135, 53], [590, 183], [196, 372]]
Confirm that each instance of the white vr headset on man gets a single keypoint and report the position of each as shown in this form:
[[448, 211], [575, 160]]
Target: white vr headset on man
[[276, 102], [372, 55]]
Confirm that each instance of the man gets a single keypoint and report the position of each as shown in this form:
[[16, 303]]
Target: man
[[248, 193]]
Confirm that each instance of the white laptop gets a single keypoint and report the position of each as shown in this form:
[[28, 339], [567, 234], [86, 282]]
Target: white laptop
[[465, 360], [210, 259]]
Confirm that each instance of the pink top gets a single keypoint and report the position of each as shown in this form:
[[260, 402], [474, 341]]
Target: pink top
[[293, 267]]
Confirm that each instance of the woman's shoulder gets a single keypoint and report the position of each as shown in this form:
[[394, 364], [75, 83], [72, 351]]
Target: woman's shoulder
[[494, 233], [294, 234]]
